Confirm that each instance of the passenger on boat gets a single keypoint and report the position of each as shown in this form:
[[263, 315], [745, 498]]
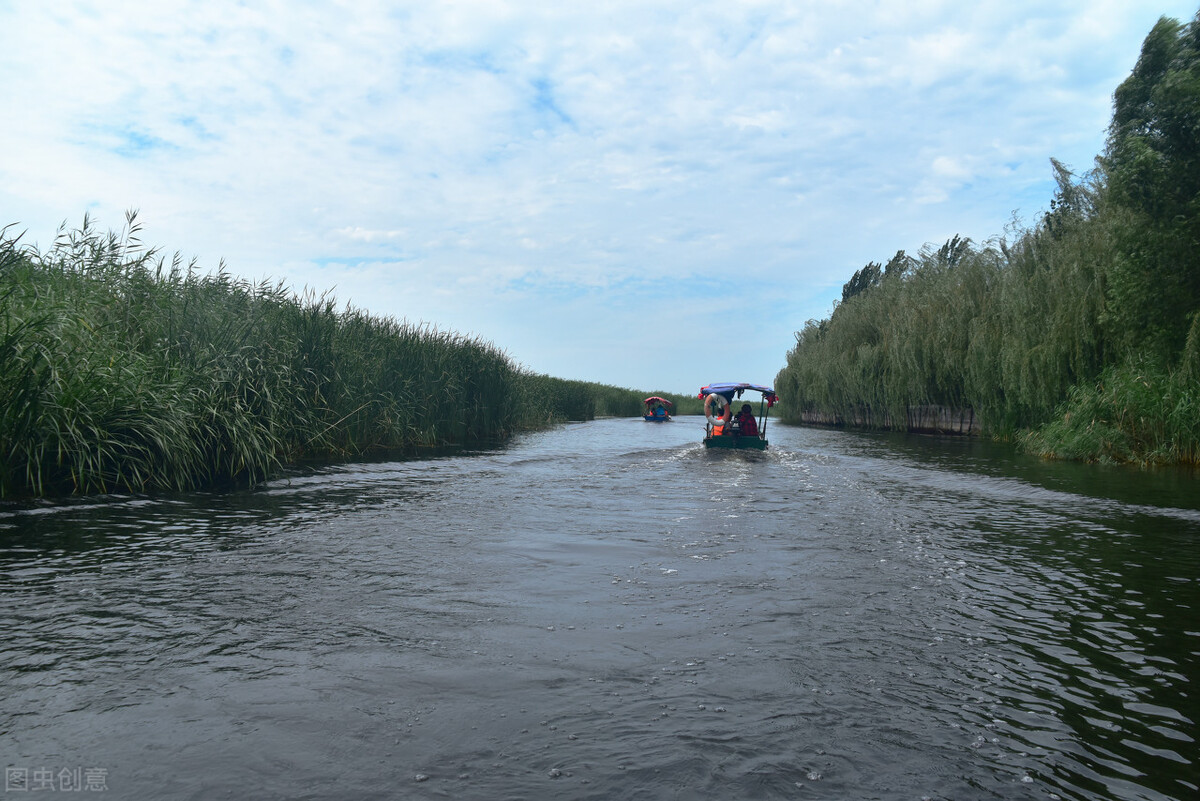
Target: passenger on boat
[[747, 425], [725, 426]]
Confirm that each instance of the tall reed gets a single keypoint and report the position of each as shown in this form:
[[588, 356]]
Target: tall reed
[[1130, 413], [122, 370]]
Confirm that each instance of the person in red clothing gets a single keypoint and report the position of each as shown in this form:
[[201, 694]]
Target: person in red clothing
[[747, 425]]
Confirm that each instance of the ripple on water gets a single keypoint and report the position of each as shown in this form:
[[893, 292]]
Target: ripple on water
[[591, 615]]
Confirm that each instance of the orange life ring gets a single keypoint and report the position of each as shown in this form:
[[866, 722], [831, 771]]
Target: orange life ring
[[714, 399]]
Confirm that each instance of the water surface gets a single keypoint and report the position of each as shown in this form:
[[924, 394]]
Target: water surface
[[606, 610]]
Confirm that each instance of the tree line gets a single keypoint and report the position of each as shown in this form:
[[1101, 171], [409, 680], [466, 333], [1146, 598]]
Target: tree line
[[1079, 335]]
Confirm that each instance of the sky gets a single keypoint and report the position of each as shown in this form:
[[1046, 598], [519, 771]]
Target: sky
[[654, 194]]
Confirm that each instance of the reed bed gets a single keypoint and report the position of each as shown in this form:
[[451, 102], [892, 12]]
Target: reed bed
[[121, 370], [1130, 413]]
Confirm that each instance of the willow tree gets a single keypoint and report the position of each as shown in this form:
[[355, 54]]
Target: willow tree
[[1152, 159]]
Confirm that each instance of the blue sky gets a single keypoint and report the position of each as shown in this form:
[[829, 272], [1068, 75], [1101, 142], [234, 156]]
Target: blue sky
[[655, 195]]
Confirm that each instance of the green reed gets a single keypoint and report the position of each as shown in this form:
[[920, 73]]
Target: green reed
[[121, 370], [1130, 413]]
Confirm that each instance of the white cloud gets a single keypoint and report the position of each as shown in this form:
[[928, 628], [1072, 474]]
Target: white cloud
[[363, 235], [519, 169]]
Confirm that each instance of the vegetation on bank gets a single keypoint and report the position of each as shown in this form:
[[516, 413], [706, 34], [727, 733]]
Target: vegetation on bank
[[1079, 336], [121, 370]]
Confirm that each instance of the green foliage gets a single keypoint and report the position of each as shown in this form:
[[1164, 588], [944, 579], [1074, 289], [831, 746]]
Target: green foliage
[[862, 280], [124, 371], [1139, 413], [873, 274], [546, 400], [684, 404], [1040, 329], [903, 344], [1004, 330], [1153, 162], [1084, 328]]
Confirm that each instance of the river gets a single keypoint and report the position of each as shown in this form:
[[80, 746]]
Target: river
[[608, 611]]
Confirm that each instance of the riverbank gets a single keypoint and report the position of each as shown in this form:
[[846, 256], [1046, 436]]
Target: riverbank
[[917, 420], [121, 370]]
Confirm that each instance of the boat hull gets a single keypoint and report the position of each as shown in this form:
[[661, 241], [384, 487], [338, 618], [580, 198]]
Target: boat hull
[[651, 419], [750, 443]]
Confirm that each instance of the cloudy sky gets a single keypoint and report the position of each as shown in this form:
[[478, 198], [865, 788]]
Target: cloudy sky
[[651, 194]]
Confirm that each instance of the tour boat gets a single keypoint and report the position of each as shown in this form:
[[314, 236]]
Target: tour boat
[[723, 429], [658, 410]]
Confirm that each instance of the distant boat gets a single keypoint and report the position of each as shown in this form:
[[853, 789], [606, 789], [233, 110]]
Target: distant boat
[[724, 429], [657, 410]]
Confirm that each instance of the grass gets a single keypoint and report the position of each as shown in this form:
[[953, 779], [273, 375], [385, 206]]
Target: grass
[[122, 370], [1132, 413]]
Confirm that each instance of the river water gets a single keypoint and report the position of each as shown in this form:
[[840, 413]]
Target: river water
[[608, 611]]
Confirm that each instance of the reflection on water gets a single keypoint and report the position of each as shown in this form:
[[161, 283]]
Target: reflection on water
[[608, 610]]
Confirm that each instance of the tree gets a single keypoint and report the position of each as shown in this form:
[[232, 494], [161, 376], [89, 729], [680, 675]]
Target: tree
[[862, 280], [1152, 159]]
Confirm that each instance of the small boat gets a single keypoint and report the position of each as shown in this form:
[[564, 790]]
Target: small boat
[[743, 430], [657, 410]]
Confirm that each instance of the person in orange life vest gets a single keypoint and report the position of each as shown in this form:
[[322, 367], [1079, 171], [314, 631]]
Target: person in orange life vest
[[747, 425], [724, 427]]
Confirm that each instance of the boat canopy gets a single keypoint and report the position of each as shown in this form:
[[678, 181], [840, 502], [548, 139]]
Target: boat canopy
[[730, 390], [655, 398]]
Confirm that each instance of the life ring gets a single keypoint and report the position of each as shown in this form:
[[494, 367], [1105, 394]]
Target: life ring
[[708, 410]]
